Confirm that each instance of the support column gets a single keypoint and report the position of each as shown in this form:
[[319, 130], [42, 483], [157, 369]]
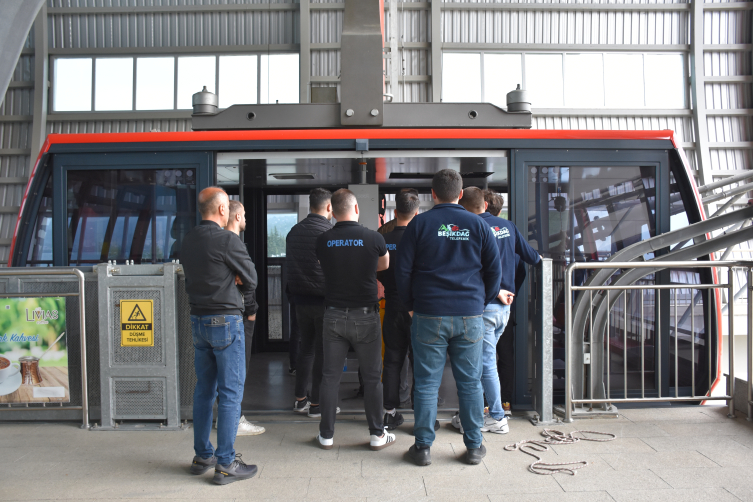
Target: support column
[[395, 59], [698, 93], [41, 76], [304, 70], [436, 51]]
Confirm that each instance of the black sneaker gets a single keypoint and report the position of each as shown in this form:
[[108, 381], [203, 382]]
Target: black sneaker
[[301, 406], [393, 421], [316, 411], [420, 456], [474, 455], [436, 425], [236, 471], [202, 465], [291, 371]]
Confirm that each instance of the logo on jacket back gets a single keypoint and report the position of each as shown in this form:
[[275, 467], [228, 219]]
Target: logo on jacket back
[[501, 233], [453, 232]]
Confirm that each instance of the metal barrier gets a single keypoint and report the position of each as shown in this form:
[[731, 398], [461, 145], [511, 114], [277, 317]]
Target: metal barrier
[[15, 272], [623, 289]]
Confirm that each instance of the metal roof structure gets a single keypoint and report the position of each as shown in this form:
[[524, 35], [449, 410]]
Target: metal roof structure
[[715, 128]]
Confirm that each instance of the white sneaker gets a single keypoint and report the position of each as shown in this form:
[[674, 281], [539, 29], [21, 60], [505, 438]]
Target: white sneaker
[[456, 422], [383, 441], [246, 428], [325, 444], [496, 426]]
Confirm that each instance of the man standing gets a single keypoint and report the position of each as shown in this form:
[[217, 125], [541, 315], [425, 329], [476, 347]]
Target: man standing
[[306, 291], [447, 269], [236, 223], [397, 320], [212, 259], [496, 314], [351, 255]]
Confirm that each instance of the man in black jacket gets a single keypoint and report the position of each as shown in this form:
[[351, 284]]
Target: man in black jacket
[[306, 292], [212, 260]]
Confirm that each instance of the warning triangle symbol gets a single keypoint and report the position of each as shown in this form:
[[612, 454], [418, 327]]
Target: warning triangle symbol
[[137, 314]]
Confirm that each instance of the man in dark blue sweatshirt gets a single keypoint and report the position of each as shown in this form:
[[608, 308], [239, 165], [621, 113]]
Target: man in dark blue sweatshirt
[[447, 269], [496, 314]]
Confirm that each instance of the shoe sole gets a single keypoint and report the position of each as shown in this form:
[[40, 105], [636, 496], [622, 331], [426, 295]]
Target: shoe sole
[[498, 431], [250, 433], [323, 446], [221, 479], [475, 461], [382, 446], [315, 415], [200, 470]]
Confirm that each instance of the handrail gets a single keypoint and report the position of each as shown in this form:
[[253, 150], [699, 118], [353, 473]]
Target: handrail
[[570, 371], [82, 322]]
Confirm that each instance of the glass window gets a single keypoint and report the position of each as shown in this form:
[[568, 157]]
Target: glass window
[[72, 88], [40, 247], [113, 84], [623, 80], [238, 81], [502, 74], [278, 226], [584, 80], [194, 73], [461, 77], [279, 78], [139, 215], [665, 81], [155, 83], [544, 80]]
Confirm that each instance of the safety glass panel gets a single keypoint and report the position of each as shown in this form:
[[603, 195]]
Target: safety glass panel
[[113, 84], [40, 247], [194, 73], [155, 83], [139, 215], [72, 86]]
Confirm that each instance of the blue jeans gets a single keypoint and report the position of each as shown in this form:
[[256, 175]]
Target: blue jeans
[[496, 316], [219, 359], [433, 337]]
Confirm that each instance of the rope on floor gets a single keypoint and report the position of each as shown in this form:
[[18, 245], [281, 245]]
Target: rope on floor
[[533, 447]]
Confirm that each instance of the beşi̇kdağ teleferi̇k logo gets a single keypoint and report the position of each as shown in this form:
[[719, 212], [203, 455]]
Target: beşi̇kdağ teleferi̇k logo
[[453, 232]]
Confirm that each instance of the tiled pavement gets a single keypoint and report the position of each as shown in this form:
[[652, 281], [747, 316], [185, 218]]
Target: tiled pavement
[[664, 454]]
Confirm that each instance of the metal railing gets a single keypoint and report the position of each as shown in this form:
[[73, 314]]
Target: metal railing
[[623, 290], [16, 272]]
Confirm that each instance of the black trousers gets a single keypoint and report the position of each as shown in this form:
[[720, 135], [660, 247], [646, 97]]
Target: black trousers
[[506, 363], [248, 334], [294, 340], [361, 331], [308, 368], [396, 335]]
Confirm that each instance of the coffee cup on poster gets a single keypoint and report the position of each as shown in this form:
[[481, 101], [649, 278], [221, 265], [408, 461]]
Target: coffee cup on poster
[[7, 368]]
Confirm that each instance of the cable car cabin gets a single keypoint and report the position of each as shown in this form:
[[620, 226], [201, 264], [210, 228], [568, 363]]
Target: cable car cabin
[[577, 195]]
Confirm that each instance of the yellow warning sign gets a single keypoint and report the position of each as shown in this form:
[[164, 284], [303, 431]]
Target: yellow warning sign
[[136, 323]]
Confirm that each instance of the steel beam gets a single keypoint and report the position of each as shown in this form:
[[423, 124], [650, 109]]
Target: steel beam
[[170, 9], [304, 60], [564, 7], [459, 46], [697, 93], [395, 59], [436, 51], [183, 50], [41, 77]]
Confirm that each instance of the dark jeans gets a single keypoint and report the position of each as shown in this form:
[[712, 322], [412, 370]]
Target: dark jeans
[[218, 360], [361, 331], [295, 338], [396, 334], [506, 363], [308, 369]]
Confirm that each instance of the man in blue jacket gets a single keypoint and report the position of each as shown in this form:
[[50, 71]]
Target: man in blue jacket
[[447, 269], [511, 245]]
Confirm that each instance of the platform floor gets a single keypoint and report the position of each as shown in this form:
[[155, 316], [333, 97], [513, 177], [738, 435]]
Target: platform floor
[[662, 454]]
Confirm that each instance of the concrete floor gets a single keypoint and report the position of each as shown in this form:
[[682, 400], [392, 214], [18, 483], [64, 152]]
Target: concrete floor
[[667, 454]]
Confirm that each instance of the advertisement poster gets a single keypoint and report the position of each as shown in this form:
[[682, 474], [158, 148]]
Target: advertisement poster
[[33, 351]]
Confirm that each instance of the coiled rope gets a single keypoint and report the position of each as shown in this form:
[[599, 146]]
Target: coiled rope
[[533, 447]]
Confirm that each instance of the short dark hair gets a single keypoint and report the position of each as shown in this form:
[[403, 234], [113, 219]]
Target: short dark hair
[[318, 198], [495, 202], [234, 207], [409, 190], [342, 201], [211, 199], [473, 200], [406, 203], [447, 185]]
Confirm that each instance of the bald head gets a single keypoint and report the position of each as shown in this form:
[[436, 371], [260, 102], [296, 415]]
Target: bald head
[[214, 205]]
